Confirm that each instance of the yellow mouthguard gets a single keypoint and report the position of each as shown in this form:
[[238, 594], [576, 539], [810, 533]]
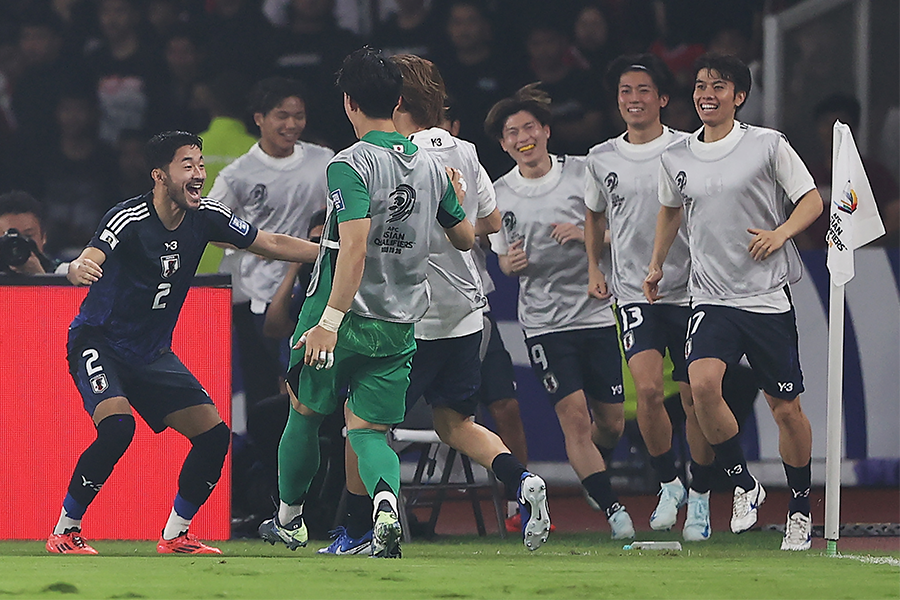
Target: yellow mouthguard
[[526, 148]]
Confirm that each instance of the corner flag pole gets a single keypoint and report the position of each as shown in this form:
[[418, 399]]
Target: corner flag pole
[[834, 413], [854, 221]]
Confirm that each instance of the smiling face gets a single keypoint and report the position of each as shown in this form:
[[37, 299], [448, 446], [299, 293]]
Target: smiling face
[[715, 99], [281, 127], [184, 177], [639, 100], [525, 139]]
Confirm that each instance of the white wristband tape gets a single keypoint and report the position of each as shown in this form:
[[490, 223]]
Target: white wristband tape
[[331, 319]]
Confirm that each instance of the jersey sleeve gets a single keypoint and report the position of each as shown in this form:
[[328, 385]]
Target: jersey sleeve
[[225, 226], [111, 229], [593, 192], [791, 173], [484, 190], [450, 213], [348, 192], [668, 191]]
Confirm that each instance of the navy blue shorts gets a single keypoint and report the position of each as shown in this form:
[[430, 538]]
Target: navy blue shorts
[[498, 377], [154, 390], [655, 327], [446, 372], [584, 359], [769, 342]]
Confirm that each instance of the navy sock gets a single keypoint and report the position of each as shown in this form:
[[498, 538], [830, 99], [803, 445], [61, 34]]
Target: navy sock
[[664, 466], [730, 455], [202, 468], [701, 477], [359, 515], [799, 479], [508, 470], [114, 434], [600, 489]]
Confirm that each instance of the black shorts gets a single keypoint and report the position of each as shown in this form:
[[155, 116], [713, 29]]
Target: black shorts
[[655, 327], [154, 390], [498, 377], [769, 342], [446, 372], [584, 359]]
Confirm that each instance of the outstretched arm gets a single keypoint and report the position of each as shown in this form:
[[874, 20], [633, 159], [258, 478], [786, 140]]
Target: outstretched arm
[[284, 247]]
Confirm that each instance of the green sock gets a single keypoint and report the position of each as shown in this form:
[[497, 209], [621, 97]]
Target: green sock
[[376, 459], [298, 456]]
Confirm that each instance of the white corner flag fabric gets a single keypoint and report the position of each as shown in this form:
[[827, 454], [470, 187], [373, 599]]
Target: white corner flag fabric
[[854, 219]]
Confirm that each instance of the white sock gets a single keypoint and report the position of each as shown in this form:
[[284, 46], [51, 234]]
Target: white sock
[[175, 526], [512, 508], [288, 512], [385, 495], [65, 523]]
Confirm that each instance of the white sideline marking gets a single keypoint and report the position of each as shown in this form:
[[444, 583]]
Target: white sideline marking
[[872, 560]]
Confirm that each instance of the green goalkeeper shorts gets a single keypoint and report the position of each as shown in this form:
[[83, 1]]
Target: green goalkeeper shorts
[[376, 385]]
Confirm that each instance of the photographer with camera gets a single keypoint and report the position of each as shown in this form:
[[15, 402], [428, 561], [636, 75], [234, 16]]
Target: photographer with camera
[[22, 236]]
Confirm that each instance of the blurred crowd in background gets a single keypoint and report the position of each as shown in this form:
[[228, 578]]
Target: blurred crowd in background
[[84, 83]]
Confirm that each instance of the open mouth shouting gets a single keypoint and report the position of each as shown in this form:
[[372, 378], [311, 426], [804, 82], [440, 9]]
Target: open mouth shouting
[[192, 190]]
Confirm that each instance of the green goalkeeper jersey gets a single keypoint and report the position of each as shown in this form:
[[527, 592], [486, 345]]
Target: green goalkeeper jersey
[[383, 177]]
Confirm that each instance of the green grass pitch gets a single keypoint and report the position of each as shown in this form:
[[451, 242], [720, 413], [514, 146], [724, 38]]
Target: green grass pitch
[[568, 566]]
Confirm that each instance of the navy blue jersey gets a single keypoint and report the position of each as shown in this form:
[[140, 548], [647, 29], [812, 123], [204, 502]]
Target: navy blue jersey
[[148, 272]]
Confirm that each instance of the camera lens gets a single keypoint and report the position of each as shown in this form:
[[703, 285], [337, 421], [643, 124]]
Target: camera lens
[[15, 249]]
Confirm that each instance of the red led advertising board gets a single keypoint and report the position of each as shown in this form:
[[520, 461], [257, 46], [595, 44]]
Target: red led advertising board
[[44, 427]]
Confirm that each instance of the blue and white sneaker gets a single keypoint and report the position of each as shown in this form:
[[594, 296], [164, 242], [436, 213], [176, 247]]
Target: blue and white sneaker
[[620, 524], [532, 499], [696, 523], [672, 497], [344, 545], [293, 535], [744, 512], [797, 533]]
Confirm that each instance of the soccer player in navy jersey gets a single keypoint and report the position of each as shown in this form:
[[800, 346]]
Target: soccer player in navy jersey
[[140, 264]]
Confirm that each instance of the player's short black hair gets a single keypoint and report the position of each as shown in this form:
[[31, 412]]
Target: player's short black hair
[[270, 92], [18, 202], [529, 98], [650, 64], [161, 148], [729, 67], [371, 81], [845, 105]]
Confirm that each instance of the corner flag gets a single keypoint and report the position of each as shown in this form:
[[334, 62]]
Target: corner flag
[[854, 219], [853, 222]]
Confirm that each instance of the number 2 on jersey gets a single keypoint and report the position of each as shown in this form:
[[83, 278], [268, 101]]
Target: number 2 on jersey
[[164, 290]]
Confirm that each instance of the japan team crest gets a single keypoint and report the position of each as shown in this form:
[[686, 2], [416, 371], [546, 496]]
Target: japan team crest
[[628, 340], [99, 383], [170, 264], [551, 383]]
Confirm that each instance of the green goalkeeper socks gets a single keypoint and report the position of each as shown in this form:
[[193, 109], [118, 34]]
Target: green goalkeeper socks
[[298, 456], [376, 459]]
